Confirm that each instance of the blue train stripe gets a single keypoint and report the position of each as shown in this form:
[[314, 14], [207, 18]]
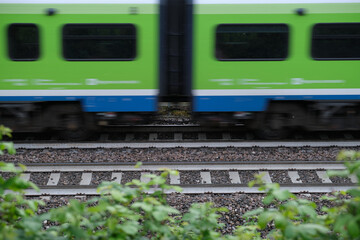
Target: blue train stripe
[[254, 103], [97, 103]]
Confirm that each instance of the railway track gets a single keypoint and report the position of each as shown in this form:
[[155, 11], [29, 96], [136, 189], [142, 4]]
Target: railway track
[[182, 133], [194, 178], [215, 144]]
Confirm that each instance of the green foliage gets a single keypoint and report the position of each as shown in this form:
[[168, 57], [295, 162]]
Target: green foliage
[[294, 218], [18, 219], [9, 146], [345, 217], [139, 210], [201, 220]]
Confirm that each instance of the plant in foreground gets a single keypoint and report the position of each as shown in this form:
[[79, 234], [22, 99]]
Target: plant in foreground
[[290, 217], [139, 210]]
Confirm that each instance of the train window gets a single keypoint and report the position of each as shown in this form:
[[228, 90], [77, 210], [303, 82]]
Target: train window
[[23, 42], [334, 41], [99, 42], [252, 42]]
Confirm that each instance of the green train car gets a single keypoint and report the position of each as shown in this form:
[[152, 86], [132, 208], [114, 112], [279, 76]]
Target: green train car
[[66, 64], [276, 64]]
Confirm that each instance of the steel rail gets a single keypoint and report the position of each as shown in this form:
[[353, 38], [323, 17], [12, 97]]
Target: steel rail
[[234, 170], [184, 166], [197, 144], [195, 189]]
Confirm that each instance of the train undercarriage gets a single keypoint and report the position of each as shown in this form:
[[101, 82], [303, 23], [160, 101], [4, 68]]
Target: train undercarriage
[[277, 122], [281, 118]]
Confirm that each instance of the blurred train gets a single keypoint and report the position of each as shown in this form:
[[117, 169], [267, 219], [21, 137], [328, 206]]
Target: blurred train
[[274, 65]]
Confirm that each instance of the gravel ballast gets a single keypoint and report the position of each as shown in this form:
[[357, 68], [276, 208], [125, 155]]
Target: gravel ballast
[[40, 178], [280, 177], [180, 154], [237, 204]]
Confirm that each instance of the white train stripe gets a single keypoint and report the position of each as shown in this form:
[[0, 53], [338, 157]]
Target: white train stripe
[[144, 178], [205, 177], [85, 178], [45, 198], [294, 176], [81, 92], [153, 136], [25, 176], [234, 177], [353, 179], [323, 176], [175, 179], [130, 137], [178, 136], [274, 92], [202, 136], [266, 178], [272, 1], [116, 177], [79, 1], [53, 179], [226, 136]]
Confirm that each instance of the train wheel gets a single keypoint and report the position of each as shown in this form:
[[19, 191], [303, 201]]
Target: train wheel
[[272, 134], [77, 135], [272, 128], [74, 128]]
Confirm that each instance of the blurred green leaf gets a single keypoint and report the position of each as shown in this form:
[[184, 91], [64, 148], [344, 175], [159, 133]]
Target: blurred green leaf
[[281, 194], [353, 228], [264, 219]]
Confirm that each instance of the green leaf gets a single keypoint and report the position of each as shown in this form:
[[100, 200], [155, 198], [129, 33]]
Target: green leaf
[[138, 165], [32, 225], [130, 228], [118, 196], [311, 229], [280, 221], [10, 147], [8, 167], [264, 219], [159, 215], [171, 210], [340, 173], [353, 229], [144, 206], [254, 212], [307, 210], [281, 194], [290, 231], [177, 188], [341, 222], [354, 192], [268, 199]]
